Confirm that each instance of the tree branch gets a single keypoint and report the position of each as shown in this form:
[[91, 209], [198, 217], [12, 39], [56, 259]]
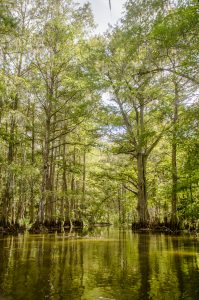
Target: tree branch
[[130, 190]]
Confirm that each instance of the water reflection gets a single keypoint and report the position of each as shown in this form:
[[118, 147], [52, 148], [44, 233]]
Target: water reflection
[[104, 264]]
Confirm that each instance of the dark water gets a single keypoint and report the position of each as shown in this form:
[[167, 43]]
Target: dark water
[[118, 264]]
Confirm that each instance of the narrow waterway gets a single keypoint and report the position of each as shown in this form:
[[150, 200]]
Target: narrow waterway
[[102, 264]]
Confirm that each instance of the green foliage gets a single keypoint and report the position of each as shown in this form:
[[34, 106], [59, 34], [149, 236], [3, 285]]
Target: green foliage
[[78, 111], [7, 22]]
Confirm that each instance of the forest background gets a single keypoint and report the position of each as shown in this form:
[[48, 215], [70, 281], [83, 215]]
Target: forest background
[[99, 128]]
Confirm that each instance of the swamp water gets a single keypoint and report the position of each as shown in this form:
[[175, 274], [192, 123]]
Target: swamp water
[[105, 264]]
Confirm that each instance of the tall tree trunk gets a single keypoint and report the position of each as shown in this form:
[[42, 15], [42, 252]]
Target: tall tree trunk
[[8, 192], [83, 182], [51, 188], [174, 155], [142, 190], [119, 203], [46, 174], [65, 201], [73, 186], [141, 169], [32, 197], [123, 191]]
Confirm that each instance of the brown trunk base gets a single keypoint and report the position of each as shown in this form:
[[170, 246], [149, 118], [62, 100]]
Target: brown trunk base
[[38, 227], [140, 225], [74, 224], [11, 228], [167, 227], [77, 224], [67, 224], [52, 226], [103, 224]]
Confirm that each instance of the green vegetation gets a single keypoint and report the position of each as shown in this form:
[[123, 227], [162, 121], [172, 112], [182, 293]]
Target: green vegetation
[[99, 129]]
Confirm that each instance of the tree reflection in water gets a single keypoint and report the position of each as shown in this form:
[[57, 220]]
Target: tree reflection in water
[[111, 263], [144, 263]]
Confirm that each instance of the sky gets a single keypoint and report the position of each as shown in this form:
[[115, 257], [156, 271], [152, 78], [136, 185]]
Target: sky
[[102, 14]]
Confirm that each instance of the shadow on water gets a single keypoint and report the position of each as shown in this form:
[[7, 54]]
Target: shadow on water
[[103, 263]]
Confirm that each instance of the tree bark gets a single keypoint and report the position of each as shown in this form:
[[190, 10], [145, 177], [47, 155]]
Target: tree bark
[[82, 206], [32, 197], [65, 206], [8, 192], [141, 169], [46, 174], [174, 155], [142, 190]]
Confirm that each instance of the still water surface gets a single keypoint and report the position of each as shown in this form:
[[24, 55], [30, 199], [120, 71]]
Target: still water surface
[[105, 264]]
